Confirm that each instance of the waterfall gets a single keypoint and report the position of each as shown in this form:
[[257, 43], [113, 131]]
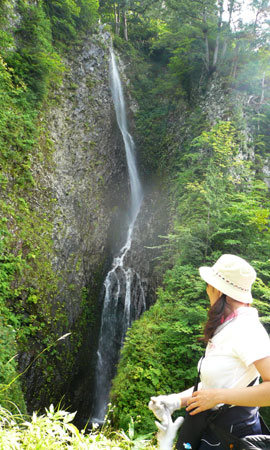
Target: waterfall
[[124, 299]]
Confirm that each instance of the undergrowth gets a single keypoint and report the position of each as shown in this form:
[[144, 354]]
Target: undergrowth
[[54, 430]]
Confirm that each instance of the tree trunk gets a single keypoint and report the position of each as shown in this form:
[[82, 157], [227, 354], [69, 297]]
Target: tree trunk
[[205, 33], [117, 20], [225, 46], [215, 57], [125, 26], [263, 87], [225, 42], [256, 21]]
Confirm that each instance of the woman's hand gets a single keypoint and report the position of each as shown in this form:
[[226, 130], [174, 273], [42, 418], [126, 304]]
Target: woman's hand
[[202, 400], [258, 395]]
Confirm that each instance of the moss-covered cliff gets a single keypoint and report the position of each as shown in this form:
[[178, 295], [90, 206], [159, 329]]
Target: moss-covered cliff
[[64, 207]]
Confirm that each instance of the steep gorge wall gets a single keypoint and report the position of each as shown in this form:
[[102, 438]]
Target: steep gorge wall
[[91, 189], [87, 177]]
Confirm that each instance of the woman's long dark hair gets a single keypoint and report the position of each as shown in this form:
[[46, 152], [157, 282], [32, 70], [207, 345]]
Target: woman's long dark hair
[[216, 314]]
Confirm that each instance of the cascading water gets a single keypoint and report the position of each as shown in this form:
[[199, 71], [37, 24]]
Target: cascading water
[[124, 299]]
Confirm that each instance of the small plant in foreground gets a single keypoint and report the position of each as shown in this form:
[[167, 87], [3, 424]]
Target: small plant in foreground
[[54, 430]]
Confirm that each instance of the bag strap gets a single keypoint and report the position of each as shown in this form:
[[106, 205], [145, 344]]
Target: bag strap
[[199, 375]]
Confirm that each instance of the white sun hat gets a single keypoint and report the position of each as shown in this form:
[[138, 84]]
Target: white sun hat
[[232, 276]]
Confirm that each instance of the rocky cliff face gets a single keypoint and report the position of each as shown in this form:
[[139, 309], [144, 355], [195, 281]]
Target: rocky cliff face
[[91, 187], [88, 180]]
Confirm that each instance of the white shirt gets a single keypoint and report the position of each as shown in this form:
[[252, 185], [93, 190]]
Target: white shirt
[[230, 354]]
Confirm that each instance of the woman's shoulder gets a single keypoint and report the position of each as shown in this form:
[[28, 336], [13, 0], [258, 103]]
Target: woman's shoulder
[[245, 321], [250, 339], [247, 311], [247, 318]]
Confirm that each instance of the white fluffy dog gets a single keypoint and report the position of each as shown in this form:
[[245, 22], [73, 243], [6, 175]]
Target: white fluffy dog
[[167, 428]]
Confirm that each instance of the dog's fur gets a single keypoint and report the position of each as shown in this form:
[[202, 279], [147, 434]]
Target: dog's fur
[[167, 429]]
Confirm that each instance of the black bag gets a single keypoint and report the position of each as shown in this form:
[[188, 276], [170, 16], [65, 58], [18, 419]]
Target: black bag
[[194, 426], [254, 442], [192, 430]]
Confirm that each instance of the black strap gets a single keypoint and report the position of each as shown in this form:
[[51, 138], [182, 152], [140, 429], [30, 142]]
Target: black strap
[[199, 375]]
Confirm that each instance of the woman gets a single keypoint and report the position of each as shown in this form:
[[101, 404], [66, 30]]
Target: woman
[[237, 354]]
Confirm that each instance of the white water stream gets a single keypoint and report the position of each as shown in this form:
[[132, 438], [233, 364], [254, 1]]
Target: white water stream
[[122, 283]]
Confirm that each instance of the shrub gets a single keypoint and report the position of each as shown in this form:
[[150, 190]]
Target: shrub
[[54, 430]]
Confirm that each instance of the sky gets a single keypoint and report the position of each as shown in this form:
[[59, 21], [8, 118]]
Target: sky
[[246, 13]]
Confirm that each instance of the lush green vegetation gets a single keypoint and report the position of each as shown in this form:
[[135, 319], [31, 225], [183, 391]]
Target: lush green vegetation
[[176, 50], [32, 43], [55, 430], [219, 207], [200, 76], [69, 17]]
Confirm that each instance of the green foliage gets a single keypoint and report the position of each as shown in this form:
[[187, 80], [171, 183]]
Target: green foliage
[[6, 38], [25, 255], [181, 47], [30, 66], [27, 280], [11, 395], [161, 348], [14, 127], [219, 198], [55, 430], [27, 283], [35, 62], [153, 117], [219, 207], [230, 208], [17, 133], [195, 40], [88, 14], [62, 15], [259, 120], [69, 16]]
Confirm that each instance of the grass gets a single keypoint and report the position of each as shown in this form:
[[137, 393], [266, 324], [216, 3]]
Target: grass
[[54, 430]]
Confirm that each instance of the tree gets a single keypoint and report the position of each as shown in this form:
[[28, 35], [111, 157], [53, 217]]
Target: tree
[[63, 15], [35, 60], [88, 14]]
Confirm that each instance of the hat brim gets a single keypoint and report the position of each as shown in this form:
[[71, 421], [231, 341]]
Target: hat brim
[[214, 280]]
